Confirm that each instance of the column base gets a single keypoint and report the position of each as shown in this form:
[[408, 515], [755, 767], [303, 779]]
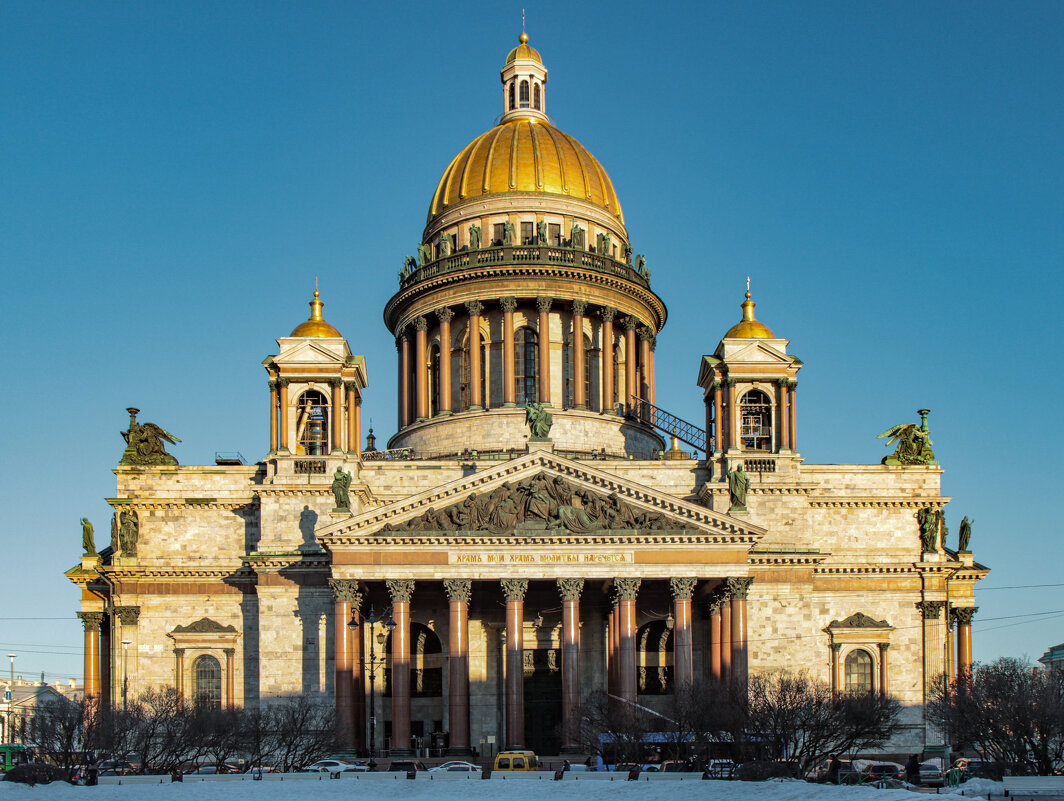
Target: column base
[[474, 408], [509, 405], [580, 407], [401, 752], [444, 413], [459, 751]]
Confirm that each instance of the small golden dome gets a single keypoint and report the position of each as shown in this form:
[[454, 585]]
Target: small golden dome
[[524, 50], [316, 325], [525, 155], [748, 327]]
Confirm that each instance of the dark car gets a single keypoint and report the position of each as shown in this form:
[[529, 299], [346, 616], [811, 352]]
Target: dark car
[[406, 765], [879, 771]]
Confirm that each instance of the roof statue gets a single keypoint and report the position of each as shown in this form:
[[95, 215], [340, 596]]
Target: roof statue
[[914, 442], [145, 443], [964, 534], [738, 484], [539, 421], [89, 545], [341, 487]]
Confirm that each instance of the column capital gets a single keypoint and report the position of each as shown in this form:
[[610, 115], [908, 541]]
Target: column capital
[[730, 382], [514, 589], [579, 307], [91, 620], [791, 384], [127, 615], [836, 648], [626, 589], [272, 383], [963, 614], [883, 646], [346, 591], [229, 652], [445, 315], [930, 609], [543, 303], [608, 314], [282, 383], [401, 590], [509, 304], [682, 587], [420, 323], [570, 588], [783, 382], [458, 589], [180, 654], [738, 586], [352, 386], [474, 308], [715, 604], [645, 333], [337, 383], [630, 323]]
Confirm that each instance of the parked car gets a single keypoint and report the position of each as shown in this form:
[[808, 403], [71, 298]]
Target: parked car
[[931, 775], [877, 771], [258, 770], [115, 767], [211, 770], [456, 766], [406, 765], [516, 760], [335, 766]]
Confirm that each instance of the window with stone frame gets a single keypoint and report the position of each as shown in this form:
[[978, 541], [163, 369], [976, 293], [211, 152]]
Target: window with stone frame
[[312, 423], [527, 233], [498, 231], [859, 678], [554, 234], [207, 682], [523, 95], [513, 95], [755, 421], [535, 96], [526, 354]]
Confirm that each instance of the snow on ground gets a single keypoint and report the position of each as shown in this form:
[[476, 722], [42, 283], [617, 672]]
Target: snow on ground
[[528, 787]]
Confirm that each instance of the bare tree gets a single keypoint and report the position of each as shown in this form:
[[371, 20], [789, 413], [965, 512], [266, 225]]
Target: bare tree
[[613, 728], [1008, 711], [303, 731], [58, 728]]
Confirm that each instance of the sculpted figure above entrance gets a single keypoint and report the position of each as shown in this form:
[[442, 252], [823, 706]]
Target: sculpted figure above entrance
[[537, 503]]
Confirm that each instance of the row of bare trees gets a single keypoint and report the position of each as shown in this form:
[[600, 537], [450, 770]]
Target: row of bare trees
[[159, 734], [777, 716], [1008, 711]]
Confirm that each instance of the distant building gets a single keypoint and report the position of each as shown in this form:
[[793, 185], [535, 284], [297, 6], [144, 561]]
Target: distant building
[[524, 563], [19, 703], [1053, 659]]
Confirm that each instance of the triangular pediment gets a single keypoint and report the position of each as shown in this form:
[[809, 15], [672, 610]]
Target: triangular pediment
[[858, 620], [538, 495], [303, 351], [757, 352]]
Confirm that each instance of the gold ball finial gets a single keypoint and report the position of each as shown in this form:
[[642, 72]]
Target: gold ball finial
[[523, 38], [316, 325]]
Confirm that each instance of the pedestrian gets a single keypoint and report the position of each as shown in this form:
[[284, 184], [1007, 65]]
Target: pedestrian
[[912, 770], [833, 770]]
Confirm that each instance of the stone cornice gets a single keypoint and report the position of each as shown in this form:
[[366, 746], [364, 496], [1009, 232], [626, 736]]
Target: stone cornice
[[599, 538], [877, 502], [162, 504], [190, 573]]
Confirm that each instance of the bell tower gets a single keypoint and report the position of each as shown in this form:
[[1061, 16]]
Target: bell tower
[[749, 389], [316, 388], [524, 83]]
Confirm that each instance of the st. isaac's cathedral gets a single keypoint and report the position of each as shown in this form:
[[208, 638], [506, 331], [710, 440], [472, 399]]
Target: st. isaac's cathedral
[[533, 532]]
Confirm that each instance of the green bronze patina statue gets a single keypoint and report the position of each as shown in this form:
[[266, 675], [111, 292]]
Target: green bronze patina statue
[[474, 237], [964, 534], [145, 443], [87, 541], [738, 485], [341, 486], [539, 421], [914, 442]]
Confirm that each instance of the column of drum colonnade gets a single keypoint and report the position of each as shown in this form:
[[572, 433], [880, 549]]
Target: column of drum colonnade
[[727, 653], [340, 390], [412, 344]]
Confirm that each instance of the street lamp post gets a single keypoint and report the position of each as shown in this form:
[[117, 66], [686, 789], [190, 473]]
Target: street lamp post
[[125, 673], [10, 698], [372, 665]]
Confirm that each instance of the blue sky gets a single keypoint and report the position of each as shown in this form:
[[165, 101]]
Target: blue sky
[[890, 175]]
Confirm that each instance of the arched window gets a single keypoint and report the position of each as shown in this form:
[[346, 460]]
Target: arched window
[[655, 658], [755, 426], [525, 355], [524, 94], [513, 102], [312, 423], [207, 682], [434, 380], [535, 97], [426, 663], [858, 671]]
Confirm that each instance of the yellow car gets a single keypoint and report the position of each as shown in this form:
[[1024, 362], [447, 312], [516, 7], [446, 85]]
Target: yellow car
[[516, 760]]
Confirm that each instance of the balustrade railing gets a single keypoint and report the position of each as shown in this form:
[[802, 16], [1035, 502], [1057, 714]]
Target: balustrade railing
[[523, 254]]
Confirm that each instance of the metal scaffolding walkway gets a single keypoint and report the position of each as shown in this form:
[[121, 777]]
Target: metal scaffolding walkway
[[669, 423]]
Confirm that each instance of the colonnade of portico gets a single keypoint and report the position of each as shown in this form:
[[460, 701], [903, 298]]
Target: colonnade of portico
[[724, 638]]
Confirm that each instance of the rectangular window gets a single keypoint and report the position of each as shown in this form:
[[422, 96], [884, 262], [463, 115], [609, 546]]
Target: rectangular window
[[554, 234], [497, 233], [526, 233]]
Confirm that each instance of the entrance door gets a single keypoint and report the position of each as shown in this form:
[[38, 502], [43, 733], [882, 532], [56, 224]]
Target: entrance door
[[543, 700]]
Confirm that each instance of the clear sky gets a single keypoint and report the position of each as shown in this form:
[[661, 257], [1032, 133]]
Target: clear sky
[[890, 175]]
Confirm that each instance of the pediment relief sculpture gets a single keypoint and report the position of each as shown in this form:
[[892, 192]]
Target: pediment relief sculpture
[[204, 626], [537, 503], [859, 620]]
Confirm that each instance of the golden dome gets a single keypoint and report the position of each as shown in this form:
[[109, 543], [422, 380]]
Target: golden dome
[[748, 327], [525, 155], [316, 325], [523, 50]]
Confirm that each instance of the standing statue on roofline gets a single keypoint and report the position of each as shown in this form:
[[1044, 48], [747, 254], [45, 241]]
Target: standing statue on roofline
[[738, 485], [914, 442], [964, 535], [87, 542], [341, 486]]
